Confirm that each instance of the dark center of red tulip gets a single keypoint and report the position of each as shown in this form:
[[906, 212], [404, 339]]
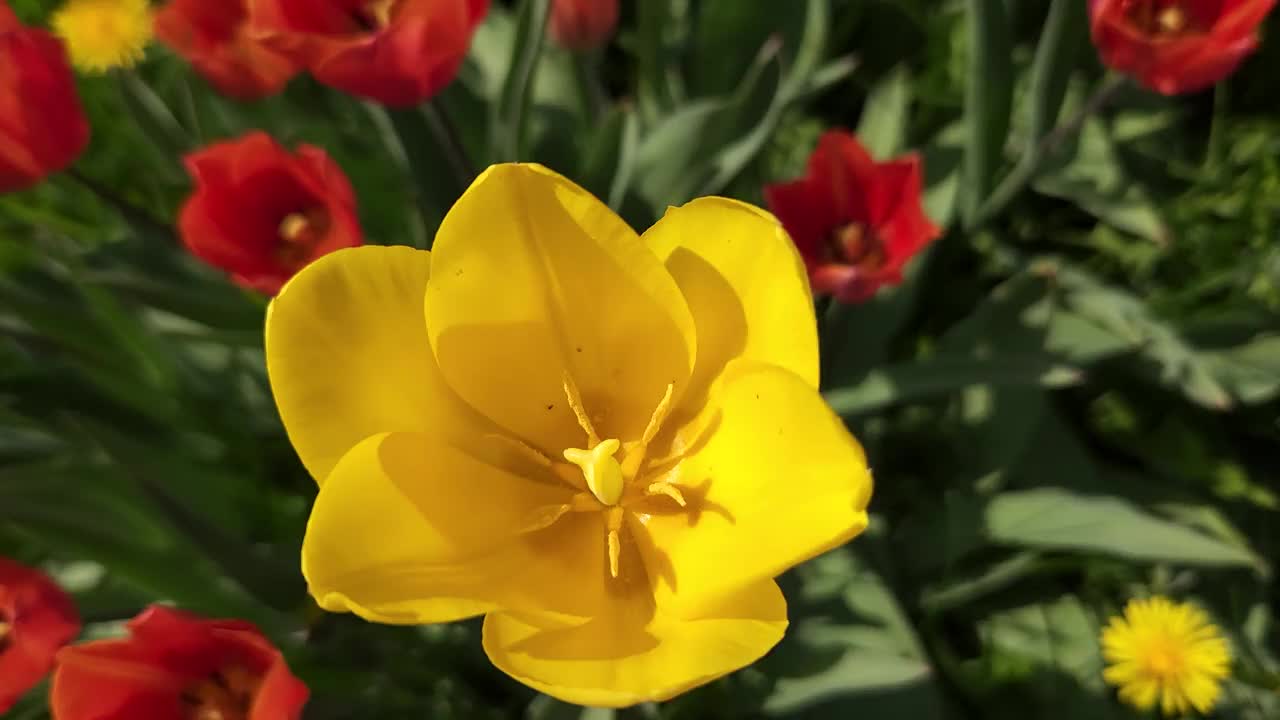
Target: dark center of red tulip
[[374, 15], [854, 244], [299, 233], [226, 694], [1162, 18]]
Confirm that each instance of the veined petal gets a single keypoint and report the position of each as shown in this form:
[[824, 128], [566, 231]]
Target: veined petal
[[622, 658], [777, 481], [409, 530], [348, 356], [745, 284], [533, 278]]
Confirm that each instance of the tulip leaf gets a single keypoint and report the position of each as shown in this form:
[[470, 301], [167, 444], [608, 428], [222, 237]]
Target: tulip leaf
[[154, 118], [861, 655], [91, 513], [1054, 518], [897, 384], [883, 126], [988, 98], [267, 577]]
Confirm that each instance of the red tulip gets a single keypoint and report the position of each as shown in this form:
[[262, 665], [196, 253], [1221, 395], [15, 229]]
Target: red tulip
[[856, 222], [36, 618], [214, 37], [583, 24], [262, 213], [42, 127], [1176, 46], [396, 52], [177, 666]]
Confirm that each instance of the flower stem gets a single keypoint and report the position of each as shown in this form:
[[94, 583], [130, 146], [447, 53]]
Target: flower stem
[[450, 142], [586, 66], [1025, 171]]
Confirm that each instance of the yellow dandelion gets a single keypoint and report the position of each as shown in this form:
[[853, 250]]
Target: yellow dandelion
[[1165, 653], [104, 34]]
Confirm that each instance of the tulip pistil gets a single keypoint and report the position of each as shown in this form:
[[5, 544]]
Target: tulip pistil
[[855, 244], [227, 694], [299, 232], [601, 470], [1171, 20], [374, 15]]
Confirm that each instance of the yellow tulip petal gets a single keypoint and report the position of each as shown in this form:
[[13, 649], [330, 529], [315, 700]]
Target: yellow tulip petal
[[777, 481], [745, 284], [349, 357], [533, 278], [625, 658], [408, 529]]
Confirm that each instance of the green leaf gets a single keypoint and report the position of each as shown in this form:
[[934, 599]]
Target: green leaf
[[1094, 178], [988, 98], [154, 118], [88, 512], [883, 126], [1058, 519], [898, 384]]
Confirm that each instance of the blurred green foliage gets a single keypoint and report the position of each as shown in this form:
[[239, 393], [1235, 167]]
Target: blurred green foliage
[[1072, 399]]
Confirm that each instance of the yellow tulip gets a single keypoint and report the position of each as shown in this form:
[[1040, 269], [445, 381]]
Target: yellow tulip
[[609, 444]]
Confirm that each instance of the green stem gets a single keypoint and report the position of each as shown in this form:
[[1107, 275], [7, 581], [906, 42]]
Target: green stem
[[1031, 163], [1217, 129], [396, 148], [447, 137], [829, 312], [586, 67]]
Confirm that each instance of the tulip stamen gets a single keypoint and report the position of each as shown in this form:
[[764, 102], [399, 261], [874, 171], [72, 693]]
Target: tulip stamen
[[615, 550], [5, 631], [659, 416], [545, 517], [614, 540], [601, 470], [636, 450], [227, 694], [579, 411], [1172, 20], [666, 488], [524, 449], [855, 244]]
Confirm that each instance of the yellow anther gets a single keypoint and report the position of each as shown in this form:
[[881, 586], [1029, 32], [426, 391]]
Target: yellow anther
[[524, 449], [1172, 19], [601, 469], [659, 416], [544, 517], [671, 491], [294, 226], [380, 11], [580, 411], [615, 550], [4, 630]]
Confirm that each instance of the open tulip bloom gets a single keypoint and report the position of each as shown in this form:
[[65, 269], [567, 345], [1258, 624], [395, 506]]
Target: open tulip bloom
[[608, 444]]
